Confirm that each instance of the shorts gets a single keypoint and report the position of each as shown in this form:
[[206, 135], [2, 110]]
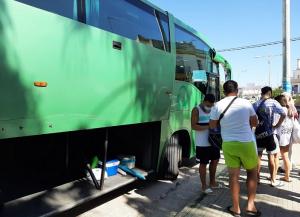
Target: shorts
[[239, 154], [267, 143], [206, 154]]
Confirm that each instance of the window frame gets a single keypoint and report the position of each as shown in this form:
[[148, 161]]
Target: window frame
[[165, 36]]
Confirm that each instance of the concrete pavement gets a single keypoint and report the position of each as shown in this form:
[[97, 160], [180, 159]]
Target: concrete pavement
[[272, 202], [183, 198], [159, 198]]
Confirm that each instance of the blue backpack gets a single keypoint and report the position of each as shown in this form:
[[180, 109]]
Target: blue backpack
[[263, 127]]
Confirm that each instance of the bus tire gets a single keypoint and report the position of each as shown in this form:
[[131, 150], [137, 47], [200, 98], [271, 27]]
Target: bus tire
[[172, 159]]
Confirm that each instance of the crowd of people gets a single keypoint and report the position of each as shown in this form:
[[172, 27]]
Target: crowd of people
[[247, 130]]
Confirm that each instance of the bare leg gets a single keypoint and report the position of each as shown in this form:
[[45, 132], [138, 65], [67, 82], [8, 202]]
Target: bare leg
[[202, 172], [285, 157], [276, 162], [272, 167], [212, 173], [234, 184], [291, 156], [251, 186], [258, 166]]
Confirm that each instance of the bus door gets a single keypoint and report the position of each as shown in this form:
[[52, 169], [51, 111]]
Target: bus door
[[213, 85]]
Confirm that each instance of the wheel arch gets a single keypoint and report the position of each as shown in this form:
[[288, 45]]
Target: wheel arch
[[184, 139], [177, 148]]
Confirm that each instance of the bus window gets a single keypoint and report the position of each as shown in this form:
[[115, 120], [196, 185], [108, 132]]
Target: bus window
[[215, 68], [129, 18], [213, 85], [191, 54], [66, 8], [209, 64]]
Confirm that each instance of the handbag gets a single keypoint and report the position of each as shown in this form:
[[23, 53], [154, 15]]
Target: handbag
[[214, 136], [296, 132]]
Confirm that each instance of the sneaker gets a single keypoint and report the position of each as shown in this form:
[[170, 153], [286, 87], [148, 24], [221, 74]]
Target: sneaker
[[277, 184]]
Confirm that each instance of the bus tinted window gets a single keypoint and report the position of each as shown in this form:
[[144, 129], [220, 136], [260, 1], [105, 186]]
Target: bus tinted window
[[164, 22], [129, 18], [209, 64], [191, 52], [67, 8], [213, 85], [215, 68]]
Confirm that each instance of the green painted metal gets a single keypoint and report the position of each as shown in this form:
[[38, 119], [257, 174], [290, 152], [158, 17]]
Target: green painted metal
[[227, 67], [90, 84], [186, 97]]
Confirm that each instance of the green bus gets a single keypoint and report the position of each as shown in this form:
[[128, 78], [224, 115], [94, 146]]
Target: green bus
[[86, 78]]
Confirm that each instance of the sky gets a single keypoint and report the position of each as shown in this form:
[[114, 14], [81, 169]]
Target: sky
[[235, 23]]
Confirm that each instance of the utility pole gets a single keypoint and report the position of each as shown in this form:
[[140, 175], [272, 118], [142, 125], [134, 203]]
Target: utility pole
[[286, 48], [269, 63], [269, 58]]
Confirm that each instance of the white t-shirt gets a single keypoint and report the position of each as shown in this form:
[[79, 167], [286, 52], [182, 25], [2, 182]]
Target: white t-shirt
[[201, 136], [235, 125], [284, 132]]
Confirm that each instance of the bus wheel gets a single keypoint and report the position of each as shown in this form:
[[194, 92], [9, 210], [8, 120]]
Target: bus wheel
[[172, 158]]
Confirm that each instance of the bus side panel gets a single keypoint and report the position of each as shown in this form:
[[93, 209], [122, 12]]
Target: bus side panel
[[186, 96], [89, 84]]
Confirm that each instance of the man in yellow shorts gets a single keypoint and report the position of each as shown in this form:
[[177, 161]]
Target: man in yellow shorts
[[238, 145]]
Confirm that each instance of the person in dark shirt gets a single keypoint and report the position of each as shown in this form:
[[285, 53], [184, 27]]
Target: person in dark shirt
[[265, 109]]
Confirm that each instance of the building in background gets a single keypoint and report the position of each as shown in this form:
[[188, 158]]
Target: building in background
[[296, 79], [251, 92]]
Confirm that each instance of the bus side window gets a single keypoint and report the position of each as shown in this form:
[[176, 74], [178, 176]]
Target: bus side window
[[213, 85], [191, 55], [213, 79], [66, 8], [215, 68], [132, 19]]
